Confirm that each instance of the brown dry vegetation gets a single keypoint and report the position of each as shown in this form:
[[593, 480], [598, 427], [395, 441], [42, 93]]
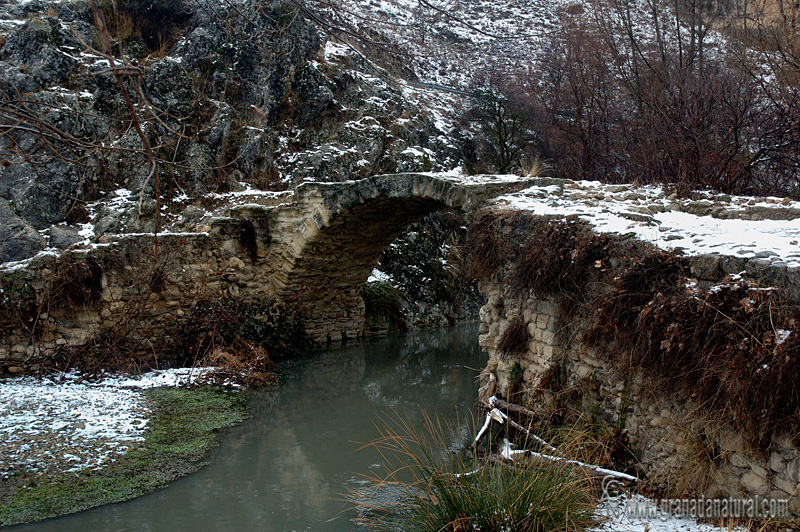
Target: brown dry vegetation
[[514, 340], [490, 240], [558, 257], [725, 348], [623, 98], [733, 349]]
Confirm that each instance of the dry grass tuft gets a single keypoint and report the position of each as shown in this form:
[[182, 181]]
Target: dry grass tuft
[[515, 338], [244, 364], [434, 484]]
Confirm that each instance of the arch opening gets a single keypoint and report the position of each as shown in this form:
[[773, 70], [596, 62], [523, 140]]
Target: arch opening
[[327, 277]]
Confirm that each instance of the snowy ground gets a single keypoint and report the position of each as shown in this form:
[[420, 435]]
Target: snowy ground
[[45, 424], [621, 518]]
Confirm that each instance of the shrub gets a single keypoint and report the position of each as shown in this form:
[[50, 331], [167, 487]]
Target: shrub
[[155, 21], [230, 324], [381, 299], [557, 257], [492, 238], [450, 490], [75, 283], [657, 273]]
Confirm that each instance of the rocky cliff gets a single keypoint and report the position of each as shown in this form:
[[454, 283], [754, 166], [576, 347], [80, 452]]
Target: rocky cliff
[[231, 96]]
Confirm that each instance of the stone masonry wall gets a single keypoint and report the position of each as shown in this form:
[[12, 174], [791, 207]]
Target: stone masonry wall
[[136, 291], [668, 436], [314, 251]]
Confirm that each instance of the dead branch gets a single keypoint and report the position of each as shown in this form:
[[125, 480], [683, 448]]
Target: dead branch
[[119, 74]]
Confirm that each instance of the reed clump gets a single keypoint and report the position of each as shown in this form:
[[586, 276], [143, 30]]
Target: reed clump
[[435, 484]]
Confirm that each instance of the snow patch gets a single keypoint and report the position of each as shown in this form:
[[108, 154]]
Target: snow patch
[[66, 418], [378, 276], [624, 209]]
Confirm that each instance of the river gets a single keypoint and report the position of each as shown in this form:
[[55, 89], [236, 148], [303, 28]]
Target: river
[[289, 467]]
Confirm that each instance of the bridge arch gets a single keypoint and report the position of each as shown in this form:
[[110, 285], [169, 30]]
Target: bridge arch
[[330, 242]]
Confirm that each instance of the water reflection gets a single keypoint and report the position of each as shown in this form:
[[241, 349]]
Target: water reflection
[[287, 468]]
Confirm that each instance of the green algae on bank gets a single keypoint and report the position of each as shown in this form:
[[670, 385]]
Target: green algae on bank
[[180, 434]]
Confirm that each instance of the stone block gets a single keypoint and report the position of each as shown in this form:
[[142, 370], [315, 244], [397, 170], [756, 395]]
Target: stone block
[[533, 348], [754, 483], [548, 307], [707, 267], [548, 352], [785, 485], [236, 263], [758, 470], [776, 462], [549, 338], [793, 470], [794, 505], [541, 321], [778, 494]]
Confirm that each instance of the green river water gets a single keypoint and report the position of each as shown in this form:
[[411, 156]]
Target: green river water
[[289, 466]]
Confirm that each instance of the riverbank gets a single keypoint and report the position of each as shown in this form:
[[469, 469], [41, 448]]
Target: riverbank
[[69, 445], [287, 468]]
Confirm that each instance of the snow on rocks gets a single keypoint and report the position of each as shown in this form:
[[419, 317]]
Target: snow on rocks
[[65, 423], [378, 276]]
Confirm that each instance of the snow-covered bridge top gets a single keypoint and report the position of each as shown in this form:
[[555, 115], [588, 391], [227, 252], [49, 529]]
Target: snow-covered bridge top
[[702, 223]]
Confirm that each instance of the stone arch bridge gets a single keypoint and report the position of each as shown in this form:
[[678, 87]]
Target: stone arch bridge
[[323, 246], [313, 247]]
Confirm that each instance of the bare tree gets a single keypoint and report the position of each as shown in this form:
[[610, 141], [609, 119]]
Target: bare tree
[[503, 113], [644, 96]]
